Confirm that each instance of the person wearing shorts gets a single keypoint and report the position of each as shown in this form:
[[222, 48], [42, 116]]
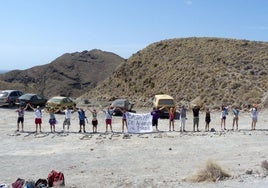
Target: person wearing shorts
[[82, 120], [67, 120], [224, 113], [108, 117], [20, 119], [235, 118], [38, 117], [254, 116], [94, 121]]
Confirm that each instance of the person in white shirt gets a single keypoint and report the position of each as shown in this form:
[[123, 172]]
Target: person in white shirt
[[254, 116], [38, 117], [67, 121]]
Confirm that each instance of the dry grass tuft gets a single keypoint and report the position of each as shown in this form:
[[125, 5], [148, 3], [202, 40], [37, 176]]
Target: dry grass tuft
[[212, 173], [264, 165]]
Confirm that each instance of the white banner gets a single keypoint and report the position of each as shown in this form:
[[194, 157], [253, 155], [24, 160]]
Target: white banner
[[139, 123]]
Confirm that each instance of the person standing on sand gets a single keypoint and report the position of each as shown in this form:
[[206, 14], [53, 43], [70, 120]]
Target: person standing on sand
[[38, 117], [207, 119], [171, 118], [108, 117], [155, 116], [235, 111], [183, 118], [94, 120], [67, 120], [52, 119], [196, 110], [20, 120], [254, 116], [124, 118], [224, 113], [82, 120]]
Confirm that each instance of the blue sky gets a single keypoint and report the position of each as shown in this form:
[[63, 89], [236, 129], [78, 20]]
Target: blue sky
[[35, 32]]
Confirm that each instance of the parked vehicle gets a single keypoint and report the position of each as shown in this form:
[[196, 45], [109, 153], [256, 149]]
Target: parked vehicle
[[167, 101], [31, 98], [123, 104], [59, 102], [8, 97]]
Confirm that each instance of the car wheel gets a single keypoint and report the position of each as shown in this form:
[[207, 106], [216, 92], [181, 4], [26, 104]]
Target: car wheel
[[11, 104]]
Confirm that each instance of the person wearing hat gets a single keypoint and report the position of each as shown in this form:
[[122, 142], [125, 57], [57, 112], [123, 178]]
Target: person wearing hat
[[254, 116]]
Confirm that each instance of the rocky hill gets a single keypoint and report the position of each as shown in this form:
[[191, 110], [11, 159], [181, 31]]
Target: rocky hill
[[71, 74], [216, 71]]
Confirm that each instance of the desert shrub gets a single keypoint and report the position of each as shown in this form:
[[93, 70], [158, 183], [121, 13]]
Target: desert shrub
[[212, 172], [264, 165]]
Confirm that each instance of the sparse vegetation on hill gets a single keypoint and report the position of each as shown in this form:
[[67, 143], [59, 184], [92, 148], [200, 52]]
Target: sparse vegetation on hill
[[71, 74], [219, 71]]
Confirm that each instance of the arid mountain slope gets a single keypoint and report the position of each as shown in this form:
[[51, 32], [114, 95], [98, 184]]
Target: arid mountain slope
[[71, 74], [218, 71]]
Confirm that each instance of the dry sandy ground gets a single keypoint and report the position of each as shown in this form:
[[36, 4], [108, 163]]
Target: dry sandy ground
[[158, 159]]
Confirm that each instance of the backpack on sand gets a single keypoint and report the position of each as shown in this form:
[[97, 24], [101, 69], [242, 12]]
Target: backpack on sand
[[55, 179]]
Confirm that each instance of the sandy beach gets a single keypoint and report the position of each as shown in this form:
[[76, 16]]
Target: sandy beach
[[157, 159]]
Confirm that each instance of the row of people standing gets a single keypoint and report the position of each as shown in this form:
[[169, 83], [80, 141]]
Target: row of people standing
[[110, 110], [196, 109], [67, 119]]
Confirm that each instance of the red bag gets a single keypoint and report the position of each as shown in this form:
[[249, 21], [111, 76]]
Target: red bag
[[55, 179]]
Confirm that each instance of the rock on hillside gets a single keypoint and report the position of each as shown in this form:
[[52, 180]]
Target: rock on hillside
[[71, 74], [218, 71]]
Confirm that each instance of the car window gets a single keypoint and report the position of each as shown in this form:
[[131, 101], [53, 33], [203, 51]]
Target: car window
[[13, 94], [34, 98], [164, 102], [38, 97]]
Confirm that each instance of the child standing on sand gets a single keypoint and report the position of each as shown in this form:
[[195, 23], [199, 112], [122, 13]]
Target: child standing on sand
[[171, 118], [254, 116], [94, 120], [108, 117], [38, 117], [20, 120], [235, 118], [207, 119]]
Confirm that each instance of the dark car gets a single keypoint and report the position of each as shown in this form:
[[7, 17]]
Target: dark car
[[122, 104], [30, 98], [9, 97]]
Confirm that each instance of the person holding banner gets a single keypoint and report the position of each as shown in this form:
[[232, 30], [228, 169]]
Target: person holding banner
[[108, 117], [124, 118]]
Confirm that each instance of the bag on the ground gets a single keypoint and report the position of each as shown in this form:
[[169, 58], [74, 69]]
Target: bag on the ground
[[18, 183], [29, 184], [40, 183], [55, 179]]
